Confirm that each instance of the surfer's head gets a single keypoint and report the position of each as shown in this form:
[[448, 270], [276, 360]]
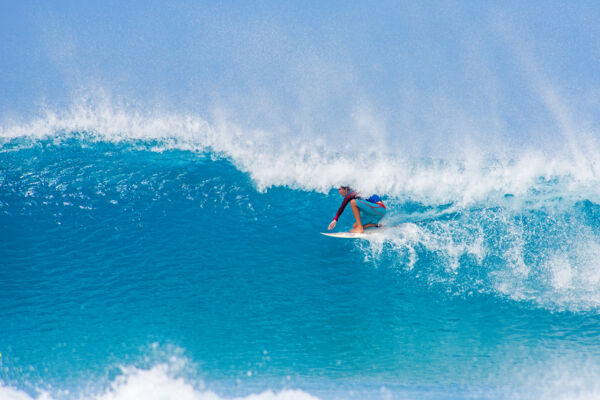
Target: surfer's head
[[344, 190]]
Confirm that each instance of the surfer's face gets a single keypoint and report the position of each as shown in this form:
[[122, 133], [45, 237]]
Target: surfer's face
[[343, 192]]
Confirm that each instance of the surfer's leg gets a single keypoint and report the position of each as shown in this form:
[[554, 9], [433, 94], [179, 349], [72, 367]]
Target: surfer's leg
[[371, 213], [357, 228], [366, 226]]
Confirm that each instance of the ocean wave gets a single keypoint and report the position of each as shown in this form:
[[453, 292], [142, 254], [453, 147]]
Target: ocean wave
[[542, 252], [540, 248]]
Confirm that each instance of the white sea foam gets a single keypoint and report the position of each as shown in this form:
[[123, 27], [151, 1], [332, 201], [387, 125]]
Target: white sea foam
[[553, 265], [313, 162], [563, 379], [156, 383]]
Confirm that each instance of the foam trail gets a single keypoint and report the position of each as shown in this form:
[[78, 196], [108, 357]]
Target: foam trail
[[539, 248], [550, 261]]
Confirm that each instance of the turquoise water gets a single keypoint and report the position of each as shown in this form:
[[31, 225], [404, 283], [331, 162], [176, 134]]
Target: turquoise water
[[166, 169], [143, 268]]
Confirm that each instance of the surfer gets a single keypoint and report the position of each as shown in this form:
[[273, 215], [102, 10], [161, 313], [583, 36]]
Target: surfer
[[367, 212]]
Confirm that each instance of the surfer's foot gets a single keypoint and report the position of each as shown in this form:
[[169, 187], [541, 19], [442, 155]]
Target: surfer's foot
[[357, 230], [371, 226]]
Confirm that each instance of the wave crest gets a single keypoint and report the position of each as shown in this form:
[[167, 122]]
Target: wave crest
[[466, 174]]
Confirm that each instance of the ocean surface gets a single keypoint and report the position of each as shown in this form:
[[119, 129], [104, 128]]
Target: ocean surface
[[168, 258]]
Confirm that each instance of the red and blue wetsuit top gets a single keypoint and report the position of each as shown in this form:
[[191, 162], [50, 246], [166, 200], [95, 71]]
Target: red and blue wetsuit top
[[355, 195]]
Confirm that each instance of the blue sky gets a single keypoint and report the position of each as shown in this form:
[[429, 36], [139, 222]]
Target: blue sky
[[516, 70]]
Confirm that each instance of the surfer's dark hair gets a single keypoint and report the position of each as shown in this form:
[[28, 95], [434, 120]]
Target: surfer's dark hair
[[348, 188]]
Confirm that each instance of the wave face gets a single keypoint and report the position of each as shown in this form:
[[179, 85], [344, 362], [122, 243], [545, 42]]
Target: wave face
[[180, 258]]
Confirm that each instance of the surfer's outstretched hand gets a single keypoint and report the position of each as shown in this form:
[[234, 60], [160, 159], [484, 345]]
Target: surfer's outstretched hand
[[332, 224]]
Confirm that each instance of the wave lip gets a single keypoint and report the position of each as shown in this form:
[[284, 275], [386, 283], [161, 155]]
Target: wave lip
[[310, 162]]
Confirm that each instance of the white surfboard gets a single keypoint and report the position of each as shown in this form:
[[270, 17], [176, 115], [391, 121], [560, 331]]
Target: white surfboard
[[350, 235]]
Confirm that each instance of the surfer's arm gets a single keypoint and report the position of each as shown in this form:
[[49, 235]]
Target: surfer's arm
[[349, 196]]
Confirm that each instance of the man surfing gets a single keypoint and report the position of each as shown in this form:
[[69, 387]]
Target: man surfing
[[367, 212]]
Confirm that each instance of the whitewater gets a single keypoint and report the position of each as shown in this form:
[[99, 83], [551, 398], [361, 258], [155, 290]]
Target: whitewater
[[164, 255]]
